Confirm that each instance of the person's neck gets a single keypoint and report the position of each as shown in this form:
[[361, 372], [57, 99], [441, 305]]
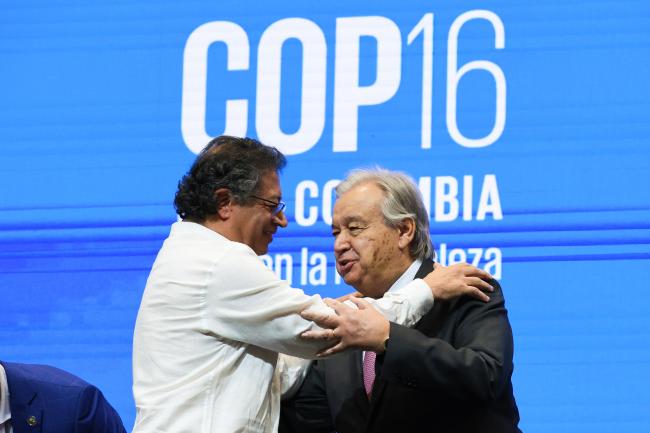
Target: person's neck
[[220, 226]]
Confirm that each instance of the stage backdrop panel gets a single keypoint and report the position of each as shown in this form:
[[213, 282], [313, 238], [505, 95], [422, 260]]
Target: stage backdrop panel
[[525, 125]]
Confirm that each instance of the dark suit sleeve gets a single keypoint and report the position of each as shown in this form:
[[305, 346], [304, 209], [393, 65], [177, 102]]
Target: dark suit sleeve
[[475, 363], [95, 414], [308, 410]]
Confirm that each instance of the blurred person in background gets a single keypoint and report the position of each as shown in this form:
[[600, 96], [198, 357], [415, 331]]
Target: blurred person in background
[[44, 399]]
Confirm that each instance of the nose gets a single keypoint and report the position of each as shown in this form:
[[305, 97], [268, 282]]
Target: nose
[[341, 243], [280, 219]]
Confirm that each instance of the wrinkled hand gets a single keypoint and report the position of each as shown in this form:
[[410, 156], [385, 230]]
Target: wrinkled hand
[[448, 282], [363, 328]]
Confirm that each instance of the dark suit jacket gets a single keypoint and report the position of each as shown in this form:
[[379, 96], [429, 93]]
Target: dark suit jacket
[[44, 399], [449, 374]]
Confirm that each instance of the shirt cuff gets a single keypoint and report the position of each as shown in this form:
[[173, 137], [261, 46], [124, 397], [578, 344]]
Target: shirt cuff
[[419, 295]]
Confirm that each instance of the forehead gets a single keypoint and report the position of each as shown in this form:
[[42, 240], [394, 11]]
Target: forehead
[[361, 202]]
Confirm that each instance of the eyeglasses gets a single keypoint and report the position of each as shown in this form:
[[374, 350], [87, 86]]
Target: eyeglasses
[[275, 206]]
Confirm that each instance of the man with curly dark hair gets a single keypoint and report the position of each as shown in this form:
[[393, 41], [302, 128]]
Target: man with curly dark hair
[[213, 318], [231, 170]]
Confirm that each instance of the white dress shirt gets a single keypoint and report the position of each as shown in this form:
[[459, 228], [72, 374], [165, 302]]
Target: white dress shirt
[[5, 409], [401, 282], [211, 323]]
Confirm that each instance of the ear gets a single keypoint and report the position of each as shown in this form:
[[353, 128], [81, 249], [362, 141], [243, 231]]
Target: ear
[[406, 230], [224, 203]]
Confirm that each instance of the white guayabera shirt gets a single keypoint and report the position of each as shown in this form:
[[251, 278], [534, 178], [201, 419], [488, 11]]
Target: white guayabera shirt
[[211, 323]]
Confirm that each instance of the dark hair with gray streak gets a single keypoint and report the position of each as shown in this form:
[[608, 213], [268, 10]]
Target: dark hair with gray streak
[[402, 200], [237, 164]]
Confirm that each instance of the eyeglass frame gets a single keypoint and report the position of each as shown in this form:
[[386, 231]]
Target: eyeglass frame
[[278, 206]]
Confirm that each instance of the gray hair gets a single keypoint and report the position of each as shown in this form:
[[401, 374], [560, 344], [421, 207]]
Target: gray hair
[[402, 201]]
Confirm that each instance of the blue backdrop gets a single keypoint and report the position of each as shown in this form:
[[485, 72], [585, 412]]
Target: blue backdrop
[[525, 125]]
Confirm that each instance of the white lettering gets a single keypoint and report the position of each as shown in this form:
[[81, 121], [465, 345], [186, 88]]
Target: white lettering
[[446, 202], [284, 262], [195, 74], [467, 198], [425, 27], [454, 75], [269, 59], [348, 94], [493, 266], [450, 202], [318, 271], [303, 266], [441, 257], [303, 187], [489, 201], [328, 195], [490, 258]]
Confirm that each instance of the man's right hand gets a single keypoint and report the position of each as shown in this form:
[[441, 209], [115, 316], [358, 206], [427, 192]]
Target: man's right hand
[[362, 327], [448, 282]]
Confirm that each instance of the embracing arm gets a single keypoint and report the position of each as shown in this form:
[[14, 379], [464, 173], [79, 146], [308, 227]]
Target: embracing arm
[[248, 303], [368, 328]]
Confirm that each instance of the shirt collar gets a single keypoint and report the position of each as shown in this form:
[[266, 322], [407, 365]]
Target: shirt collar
[[407, 276], [5, 412]]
